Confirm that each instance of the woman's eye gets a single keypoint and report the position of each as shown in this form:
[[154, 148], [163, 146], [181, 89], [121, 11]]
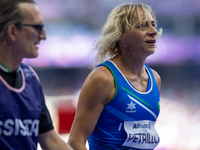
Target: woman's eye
[[143, 25]]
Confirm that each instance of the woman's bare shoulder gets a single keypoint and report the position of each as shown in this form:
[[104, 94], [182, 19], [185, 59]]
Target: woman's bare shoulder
[[101, 74]]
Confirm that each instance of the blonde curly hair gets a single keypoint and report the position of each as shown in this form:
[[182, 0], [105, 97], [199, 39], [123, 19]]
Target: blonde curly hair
[[119, 22]]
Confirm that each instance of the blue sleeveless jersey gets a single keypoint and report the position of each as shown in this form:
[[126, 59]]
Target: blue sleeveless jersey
[[127, 121], [20, 111]]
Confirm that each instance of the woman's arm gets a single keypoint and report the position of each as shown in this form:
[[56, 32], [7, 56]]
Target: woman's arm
[[97, 89]]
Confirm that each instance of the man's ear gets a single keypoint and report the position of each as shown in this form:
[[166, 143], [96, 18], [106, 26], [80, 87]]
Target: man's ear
[[11, 32]]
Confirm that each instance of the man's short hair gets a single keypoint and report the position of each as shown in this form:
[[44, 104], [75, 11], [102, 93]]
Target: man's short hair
[[10, 13]]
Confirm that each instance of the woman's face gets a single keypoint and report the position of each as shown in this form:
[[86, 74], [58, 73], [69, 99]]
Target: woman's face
[[142, 39]]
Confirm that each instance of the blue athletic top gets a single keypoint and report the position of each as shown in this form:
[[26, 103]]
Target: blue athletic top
[[20, 112], [127, 121]]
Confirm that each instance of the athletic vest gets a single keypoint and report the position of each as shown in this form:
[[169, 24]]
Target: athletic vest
[[20, 111], [127, 121]]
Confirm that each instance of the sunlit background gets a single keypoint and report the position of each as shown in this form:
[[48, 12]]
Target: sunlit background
[[64, 59]]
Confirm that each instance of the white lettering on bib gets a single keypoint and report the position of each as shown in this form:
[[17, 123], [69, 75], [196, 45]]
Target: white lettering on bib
[[141, 134], [17, 127]]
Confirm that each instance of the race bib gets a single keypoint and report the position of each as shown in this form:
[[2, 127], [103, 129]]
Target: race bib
[[141, 134]]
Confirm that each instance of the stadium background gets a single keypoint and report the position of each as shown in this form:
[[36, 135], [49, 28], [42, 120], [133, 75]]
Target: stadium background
[[64, 60]]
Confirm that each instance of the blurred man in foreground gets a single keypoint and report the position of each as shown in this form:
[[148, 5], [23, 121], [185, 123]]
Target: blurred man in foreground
[[24, 117]]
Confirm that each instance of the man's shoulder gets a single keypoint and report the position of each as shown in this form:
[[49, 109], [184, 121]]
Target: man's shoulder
[[28, 71]]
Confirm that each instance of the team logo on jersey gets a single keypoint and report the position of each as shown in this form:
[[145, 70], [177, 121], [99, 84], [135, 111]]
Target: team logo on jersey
[[131, 107]]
